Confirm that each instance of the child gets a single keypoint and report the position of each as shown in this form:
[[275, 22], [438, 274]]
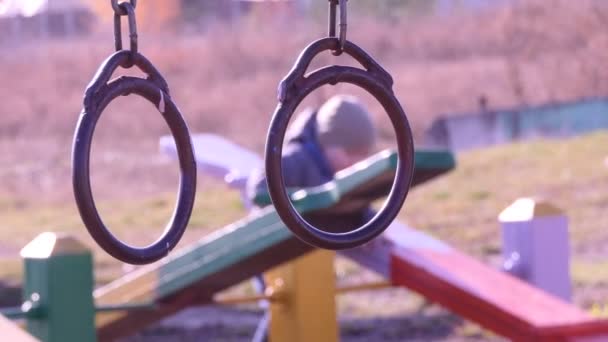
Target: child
[[322, 142]]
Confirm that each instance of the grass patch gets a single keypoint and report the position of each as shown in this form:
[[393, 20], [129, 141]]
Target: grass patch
[[137, 223], [463, 206], [11, 270], [587, 273]]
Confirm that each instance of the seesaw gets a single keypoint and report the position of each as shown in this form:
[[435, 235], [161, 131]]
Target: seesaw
[[237, 252]]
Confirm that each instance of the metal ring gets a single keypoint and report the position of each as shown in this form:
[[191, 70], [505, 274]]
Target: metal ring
[[98, 95], [292, 90], [130, 12], [120, 10]]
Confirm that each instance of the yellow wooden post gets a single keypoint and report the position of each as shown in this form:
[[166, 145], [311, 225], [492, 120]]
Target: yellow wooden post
[[303, 304]]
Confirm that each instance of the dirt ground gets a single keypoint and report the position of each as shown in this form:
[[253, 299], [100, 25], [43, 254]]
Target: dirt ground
[[217, 324]]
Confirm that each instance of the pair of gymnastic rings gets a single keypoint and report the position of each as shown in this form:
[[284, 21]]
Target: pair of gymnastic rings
[[292, 90]]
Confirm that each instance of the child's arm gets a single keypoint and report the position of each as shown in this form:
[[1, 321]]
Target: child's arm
[[294, 174]]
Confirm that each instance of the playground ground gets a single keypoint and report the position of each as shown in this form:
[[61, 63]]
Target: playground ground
[[571, 173], [217, 324], [135, 184]]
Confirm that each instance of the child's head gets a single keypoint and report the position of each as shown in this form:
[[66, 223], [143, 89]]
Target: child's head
[[346, 131]]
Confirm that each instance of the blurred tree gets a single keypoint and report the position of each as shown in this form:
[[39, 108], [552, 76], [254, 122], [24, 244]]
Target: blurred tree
[[201, 12], [392, 8], [386, 9], [151, 14]]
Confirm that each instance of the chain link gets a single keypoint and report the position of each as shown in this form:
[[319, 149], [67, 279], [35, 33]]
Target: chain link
[[116, 6], [129, 9], [333, 9]]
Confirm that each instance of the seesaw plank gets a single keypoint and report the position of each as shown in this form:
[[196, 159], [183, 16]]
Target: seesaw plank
[[493, 299]]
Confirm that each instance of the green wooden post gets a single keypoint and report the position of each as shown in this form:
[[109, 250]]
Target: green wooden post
[[58, 286]]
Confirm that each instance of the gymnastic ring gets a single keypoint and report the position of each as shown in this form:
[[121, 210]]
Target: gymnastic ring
[[292, 90], [98, 95]]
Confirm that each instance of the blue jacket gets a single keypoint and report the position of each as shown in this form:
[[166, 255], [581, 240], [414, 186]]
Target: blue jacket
[[304, 162], [305, 165]]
